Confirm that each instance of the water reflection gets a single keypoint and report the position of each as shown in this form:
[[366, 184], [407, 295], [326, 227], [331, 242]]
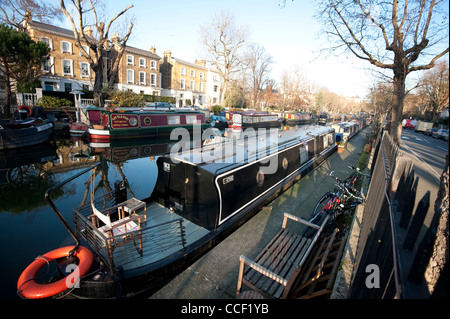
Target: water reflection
[[28, 226]]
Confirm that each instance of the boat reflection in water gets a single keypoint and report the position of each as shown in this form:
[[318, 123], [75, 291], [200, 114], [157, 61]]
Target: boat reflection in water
[[201, 195]]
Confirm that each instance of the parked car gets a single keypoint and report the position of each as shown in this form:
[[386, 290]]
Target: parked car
[[431, 131], [441, 133]]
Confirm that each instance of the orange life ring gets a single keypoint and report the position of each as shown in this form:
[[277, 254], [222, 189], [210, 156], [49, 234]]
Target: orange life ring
[[29, 111], [29, 288]]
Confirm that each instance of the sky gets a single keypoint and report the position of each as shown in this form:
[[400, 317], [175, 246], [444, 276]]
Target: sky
[[289, 34]]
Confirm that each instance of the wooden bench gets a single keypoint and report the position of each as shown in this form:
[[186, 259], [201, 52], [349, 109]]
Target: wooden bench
[[277, 266]]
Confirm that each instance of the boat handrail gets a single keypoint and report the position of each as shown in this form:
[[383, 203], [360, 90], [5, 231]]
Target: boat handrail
[[58, 213]]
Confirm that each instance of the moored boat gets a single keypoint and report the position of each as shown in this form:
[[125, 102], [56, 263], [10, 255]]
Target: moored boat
[[243, 120], [299, 119], [112, 124], [22, 133], [201, 196]]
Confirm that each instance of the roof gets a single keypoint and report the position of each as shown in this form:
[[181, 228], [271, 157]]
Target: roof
[[142, 52], [48, 28], [53, 29]]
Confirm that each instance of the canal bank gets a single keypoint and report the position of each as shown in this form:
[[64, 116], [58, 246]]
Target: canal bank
[[215, 274]]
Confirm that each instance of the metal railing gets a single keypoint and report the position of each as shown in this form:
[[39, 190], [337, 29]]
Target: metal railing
[[157, 239], [377, 247]]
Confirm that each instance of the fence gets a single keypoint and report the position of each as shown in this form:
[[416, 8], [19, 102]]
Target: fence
[[391, 256]]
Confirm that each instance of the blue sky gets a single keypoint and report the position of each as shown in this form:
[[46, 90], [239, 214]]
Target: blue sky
[[289, 34]]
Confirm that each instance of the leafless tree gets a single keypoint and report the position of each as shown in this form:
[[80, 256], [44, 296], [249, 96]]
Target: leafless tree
[[15, 13], [257, 62], [294, 87], [402, 36], [224, 41], [101, 45], [435, 87]]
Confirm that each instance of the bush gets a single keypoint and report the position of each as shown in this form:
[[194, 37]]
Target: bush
[[126, 99], [217, 109], [50, 102]]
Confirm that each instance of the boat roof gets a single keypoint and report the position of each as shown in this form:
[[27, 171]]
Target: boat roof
[[248, 147]]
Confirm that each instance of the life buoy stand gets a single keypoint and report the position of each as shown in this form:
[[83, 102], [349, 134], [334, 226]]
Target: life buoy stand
[[29, 111], [29, 288]]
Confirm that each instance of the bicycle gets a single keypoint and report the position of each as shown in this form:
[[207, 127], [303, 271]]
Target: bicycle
[[341, 199]]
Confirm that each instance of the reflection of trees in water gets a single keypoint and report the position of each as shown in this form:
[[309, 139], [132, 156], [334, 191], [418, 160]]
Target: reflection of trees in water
[[103, 184], [26, 188]]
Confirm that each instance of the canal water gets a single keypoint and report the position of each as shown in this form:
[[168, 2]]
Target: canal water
[[28, 226]]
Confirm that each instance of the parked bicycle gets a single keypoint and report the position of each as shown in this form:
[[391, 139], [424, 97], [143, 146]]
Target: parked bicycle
[[343, 198]]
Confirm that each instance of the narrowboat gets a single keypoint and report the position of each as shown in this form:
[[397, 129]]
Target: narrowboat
[[23, 133], [201, 196], [347, 129], [325, 119], [110, 124], [292, 119], [243, 120]]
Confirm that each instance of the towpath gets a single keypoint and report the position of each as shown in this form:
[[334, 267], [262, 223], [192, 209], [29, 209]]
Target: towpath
[[214, 276]]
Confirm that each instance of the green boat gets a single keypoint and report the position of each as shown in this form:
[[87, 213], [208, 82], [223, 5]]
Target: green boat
[[110, 124]]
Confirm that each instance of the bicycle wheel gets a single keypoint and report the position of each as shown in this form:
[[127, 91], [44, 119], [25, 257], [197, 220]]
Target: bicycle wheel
[[321, 206]]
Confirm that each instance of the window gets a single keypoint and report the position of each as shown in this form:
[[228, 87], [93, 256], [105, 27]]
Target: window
[[47, 66], [86, 48], [85, 70], [201, 75], [215, 88], [48, 41], [142, 77], [130, 76], [130, 59], [200, 86], [183, 71], [67, 67], [192, 73], [153, 79], [67, 87], [142, 63], [303, 154], [153, 65], [192, 86], [182, 84], [66, 47]]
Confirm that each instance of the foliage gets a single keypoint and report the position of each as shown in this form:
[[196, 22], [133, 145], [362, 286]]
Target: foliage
[[126, 99], [51, 102], [20, 58], [158, 98], [234, 97], [217, 109]]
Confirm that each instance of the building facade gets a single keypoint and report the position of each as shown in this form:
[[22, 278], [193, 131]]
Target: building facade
[[140, 71], [65, 69], [189, 83]]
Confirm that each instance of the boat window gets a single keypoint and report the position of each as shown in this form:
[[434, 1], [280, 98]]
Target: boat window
[[303, 154], [191, 119], [172, 120]]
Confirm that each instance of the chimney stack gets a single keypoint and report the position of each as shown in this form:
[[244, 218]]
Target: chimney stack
[[88, 31], [153, 49]]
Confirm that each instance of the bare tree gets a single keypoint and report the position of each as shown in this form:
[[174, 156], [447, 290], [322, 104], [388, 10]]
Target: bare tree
[[15, 13], [224, 40], [402, 36], [257, 62], [102, 47], [435, 87], [294, 87]]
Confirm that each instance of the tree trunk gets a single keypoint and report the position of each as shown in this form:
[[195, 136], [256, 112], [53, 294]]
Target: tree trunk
[[99, 99], [440, 253], [395, 129]]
